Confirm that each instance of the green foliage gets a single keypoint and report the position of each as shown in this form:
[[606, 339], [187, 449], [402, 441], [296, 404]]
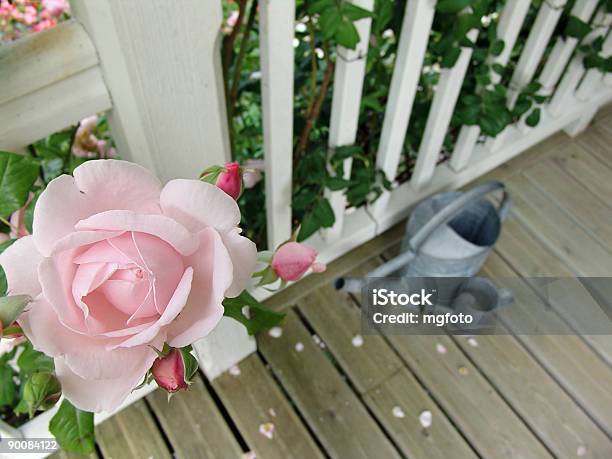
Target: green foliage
[[17, 175], [73, 429], [31, 361], [41, 392], [577, 28], [3, 286], [259, 317], [336, 20]]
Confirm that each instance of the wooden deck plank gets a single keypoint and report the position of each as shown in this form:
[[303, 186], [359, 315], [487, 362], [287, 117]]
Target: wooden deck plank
[[336, 319], [401, 391], [577, 202], [329, 406], [380, 376], [567, 358], [193, 424], [529, 258], [253, 399], [131, 433], [549, 411], [565, 237], [588, 170], [491, 427], [597, 140]]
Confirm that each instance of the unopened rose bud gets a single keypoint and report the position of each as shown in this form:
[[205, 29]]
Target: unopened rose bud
[[11, 307], [175, 370], [291, 261], [41, 392], [228, 178]]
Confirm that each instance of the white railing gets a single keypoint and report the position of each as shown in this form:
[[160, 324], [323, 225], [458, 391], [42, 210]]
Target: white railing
[[167, 110]]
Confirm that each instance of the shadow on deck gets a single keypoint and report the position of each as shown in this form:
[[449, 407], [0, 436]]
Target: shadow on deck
[[321, 390]]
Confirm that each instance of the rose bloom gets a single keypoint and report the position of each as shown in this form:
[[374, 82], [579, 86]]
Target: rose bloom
[[118, 263]]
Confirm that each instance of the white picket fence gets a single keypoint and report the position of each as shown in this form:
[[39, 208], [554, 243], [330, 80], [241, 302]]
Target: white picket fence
[[155, 67]]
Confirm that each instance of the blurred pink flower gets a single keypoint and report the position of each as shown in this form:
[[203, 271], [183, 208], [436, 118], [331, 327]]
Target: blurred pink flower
[[252, 172], [232, 19], [86, 144], [56, 7]]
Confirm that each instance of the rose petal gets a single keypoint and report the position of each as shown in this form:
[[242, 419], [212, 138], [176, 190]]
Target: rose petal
[[212, 277], [103, 394], [161, 226], [198, 205], [20, 263], [97, 186], [175, 306], [243, 253], [116, 184]]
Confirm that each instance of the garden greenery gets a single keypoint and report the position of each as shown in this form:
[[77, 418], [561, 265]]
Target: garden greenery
[[321, 25]]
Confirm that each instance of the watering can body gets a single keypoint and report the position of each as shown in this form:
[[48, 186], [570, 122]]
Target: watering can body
[[459, 247]]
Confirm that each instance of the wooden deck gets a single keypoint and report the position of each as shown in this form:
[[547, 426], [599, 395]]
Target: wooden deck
[[321, 394]]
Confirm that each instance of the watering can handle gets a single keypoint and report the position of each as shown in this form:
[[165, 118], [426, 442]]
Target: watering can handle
[[451, 210]]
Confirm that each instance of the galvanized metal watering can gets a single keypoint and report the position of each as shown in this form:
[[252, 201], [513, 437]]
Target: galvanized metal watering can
[[448, 235]]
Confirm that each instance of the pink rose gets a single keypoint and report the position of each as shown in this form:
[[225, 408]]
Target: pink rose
[[118, 264], [291, 261]]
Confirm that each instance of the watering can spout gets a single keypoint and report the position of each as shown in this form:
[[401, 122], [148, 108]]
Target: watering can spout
[[349, 284]]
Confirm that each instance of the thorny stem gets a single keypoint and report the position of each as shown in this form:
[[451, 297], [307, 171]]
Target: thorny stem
[[240, 58], [314, 112]]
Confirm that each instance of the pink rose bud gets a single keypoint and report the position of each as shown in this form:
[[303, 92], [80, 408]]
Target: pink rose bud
[[174, 371], [228, 178], [291, 261]]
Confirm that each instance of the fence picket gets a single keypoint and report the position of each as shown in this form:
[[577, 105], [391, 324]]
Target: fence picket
[[594, 77], [508, 29], [346, 100], [416, 26], [440, 115], [539, 36], [563, 49], [575, 70], [277, 19]]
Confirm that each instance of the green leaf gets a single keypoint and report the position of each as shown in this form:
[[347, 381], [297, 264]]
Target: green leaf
[[450, 57], [8, 388], [329, 21], [310, 225], [534, 118], [31, 360], [319, 6], [345, 152], [3, 284], [336, 183], [452, 6], [577, 28], [28, 217], [354, 12], [190, 363], [41, 391], [73, 429], [324, 213], [498, 68], [11, 308], [17, 175], [261, 318], [347, 34], [497, 47]]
